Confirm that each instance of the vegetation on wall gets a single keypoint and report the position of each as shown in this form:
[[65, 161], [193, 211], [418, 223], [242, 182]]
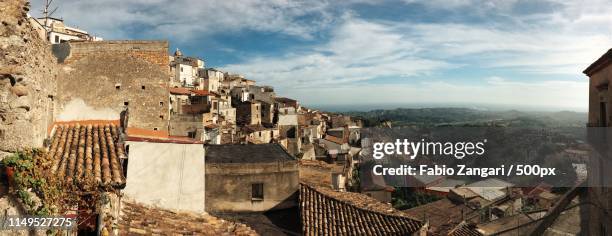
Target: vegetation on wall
[[40, 192]]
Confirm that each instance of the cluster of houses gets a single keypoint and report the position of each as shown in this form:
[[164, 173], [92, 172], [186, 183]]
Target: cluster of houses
[[156, 131]]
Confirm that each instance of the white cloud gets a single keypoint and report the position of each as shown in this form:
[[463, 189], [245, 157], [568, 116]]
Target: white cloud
[[557, 38], [358, 50], [545, 44], [183, 19]]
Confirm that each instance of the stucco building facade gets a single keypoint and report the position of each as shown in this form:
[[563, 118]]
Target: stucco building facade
[[250, 178]]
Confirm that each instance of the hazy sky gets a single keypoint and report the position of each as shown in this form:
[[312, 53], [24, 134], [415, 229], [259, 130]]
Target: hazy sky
[[348, 52]]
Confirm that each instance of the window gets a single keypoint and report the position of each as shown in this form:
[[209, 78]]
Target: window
[[161, 117], [161, 104], [57, 38], [181, 68], [154, 128], [126, 103], [124, 163], [257, 193], [117, 86], [142, 87]]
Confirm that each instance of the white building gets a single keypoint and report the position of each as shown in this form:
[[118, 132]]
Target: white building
[[55, 31], [186, 70], [211, 79]]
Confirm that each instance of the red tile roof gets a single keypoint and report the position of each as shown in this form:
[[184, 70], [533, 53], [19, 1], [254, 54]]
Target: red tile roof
[[146, 133], [87, 154], [198, 92], [188, 91], [179, 91], [156, 136]]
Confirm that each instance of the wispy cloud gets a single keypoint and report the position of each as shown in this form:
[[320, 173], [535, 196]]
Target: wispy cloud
[[184, 19], [358, 50]]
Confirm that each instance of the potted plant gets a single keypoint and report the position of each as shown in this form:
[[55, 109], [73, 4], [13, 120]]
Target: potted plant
[[9, 164]]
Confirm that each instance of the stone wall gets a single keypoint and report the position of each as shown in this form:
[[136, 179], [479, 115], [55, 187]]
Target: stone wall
[[28, 74], [228, 186], [155, 52], [112, 80]]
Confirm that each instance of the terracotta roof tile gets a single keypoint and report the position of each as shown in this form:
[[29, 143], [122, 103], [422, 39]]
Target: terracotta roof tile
[[88, 152], [179, 91], [465, 229], [200, 92], [325, 212]]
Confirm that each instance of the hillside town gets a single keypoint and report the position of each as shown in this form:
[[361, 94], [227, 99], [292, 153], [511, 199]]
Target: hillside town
[[146, 140]]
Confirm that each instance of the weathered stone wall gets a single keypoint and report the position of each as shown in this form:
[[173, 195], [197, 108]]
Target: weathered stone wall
[[228, 186], [28, 74], [155, 52], [108, 80]]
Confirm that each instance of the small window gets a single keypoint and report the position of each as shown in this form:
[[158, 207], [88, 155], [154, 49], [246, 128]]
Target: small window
[[161, 117], [142, 87], [57, 39], [161, 104], [181, 69], [257, 193], [124, 164], [126, 103], [154, 128], [117, 86]]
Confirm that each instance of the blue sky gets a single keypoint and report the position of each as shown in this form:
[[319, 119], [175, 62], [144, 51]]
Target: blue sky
[[510, 52]]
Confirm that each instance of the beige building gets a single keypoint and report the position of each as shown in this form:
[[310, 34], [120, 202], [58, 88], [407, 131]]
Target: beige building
[[250, 178], [100, 79], [248, 113], [258, 134], [599, 174]]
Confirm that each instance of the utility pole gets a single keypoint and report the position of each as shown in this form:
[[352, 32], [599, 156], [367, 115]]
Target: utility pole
[[46, 12]]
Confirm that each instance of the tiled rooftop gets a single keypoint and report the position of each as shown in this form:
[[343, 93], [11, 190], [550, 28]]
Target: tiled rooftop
[[465, 229], [138, 219], [443, 215], [247, 153], [326, 212], [86, 153]]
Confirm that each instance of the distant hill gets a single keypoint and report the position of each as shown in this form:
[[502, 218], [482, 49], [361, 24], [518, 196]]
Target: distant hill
[[470, 117]]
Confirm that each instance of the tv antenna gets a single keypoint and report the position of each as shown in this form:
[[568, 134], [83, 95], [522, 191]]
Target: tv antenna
[[46, 12]]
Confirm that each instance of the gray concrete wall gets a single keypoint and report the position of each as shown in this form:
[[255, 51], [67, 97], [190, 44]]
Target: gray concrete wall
[[167, 175], [229, 186]]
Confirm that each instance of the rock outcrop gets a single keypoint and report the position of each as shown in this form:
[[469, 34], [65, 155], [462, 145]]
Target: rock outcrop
[[28, 74]]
